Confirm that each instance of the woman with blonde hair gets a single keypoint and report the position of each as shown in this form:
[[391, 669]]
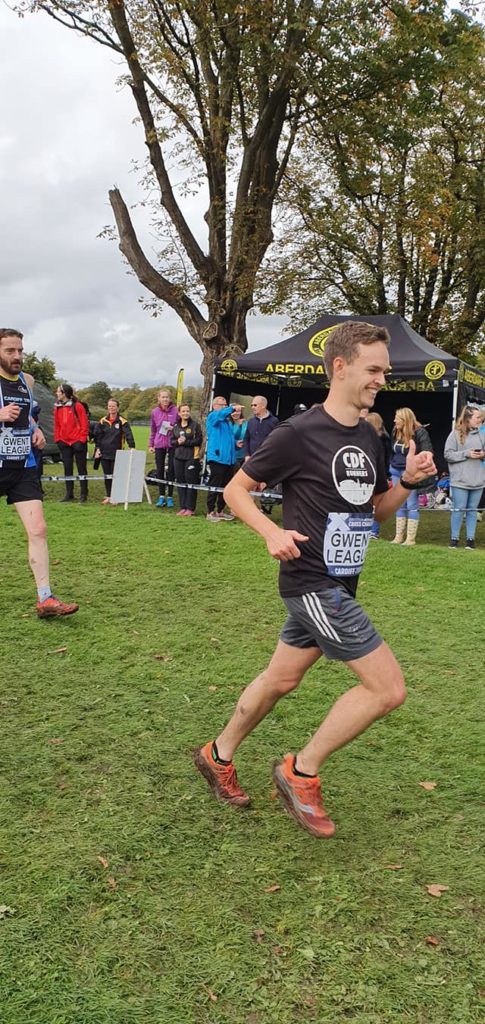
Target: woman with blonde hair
[[407, 429], [465, 454]]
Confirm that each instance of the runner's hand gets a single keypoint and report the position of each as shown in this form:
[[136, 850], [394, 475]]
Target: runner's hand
[[418, 467], [282, 545], [9, 413], [38, 439]]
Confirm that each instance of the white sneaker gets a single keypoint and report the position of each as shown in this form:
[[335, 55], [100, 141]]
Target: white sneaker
[[213, 517], [228, 516]]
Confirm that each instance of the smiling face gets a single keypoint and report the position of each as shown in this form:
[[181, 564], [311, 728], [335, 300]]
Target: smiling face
[[362, 378], [11, 354], [184, 412], [475, 420]]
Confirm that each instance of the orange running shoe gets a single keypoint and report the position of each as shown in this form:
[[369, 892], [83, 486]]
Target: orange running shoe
[[302, 798], [222, 778], [53, 607]]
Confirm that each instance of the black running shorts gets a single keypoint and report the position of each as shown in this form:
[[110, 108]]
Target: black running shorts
[[20, 485]]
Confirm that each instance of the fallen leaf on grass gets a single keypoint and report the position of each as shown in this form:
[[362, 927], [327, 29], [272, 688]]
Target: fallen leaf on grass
[[273, 888], [215, 640], [436, 890], [428, 786], [259, 934], [58, 650], [103, 861], [163, 657], [212, 689], [392, 867], [277, 950], [431, 940], [56, 741], [212, 996], [5, 911], [111, 881], [274, 794]]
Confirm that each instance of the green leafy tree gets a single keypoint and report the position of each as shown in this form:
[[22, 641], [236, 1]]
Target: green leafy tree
[[391, 202], [43, 370]]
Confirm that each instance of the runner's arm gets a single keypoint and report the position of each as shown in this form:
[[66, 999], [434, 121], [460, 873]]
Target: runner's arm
[[418, 467], [280, 543]]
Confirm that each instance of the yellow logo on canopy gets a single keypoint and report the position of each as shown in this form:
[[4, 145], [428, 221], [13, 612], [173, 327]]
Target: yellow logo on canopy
[[319, 340], [229, 365], [435, 369]]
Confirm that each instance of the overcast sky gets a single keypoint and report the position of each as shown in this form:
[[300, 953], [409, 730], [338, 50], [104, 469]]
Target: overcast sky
[[66, 137]]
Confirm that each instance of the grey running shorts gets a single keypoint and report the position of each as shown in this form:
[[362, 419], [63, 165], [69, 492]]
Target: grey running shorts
[[333, 621]]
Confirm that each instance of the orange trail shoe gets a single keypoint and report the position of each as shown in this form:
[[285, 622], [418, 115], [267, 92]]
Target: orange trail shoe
[[302, 798], [53, 607], [222, 778]]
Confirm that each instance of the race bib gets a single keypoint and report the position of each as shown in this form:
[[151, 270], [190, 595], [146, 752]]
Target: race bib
[[14, 445], [345, 542]]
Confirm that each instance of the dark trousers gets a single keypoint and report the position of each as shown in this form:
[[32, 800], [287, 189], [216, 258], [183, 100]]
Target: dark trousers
[[69, 453], [187, 471], [220, 475], [164, 464], [108, 468]]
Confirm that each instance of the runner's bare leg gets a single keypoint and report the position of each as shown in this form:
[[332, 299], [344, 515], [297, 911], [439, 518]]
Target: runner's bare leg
[[381, 690], [32, 515], [283, 674]]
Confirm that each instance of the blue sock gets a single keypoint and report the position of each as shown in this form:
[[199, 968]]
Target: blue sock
[[44, 593]]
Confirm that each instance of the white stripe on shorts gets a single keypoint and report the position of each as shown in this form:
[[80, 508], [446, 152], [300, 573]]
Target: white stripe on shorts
[[318, 617]]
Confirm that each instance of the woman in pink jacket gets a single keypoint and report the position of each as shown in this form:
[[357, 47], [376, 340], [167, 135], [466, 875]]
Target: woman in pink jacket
[[162, 421]]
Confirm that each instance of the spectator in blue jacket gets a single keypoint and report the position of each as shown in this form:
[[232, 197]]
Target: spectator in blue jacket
[[260, 425], [221, 456]]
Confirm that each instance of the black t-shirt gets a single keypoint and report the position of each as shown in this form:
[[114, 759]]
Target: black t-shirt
[[15, 443], [329, 474]]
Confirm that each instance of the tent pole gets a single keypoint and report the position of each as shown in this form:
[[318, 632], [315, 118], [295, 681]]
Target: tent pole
[[455, 402], [277, 413]]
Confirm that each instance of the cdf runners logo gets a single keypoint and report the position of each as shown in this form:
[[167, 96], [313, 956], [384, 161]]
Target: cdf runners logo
[[317, 343], [435, 369], [354, 475]]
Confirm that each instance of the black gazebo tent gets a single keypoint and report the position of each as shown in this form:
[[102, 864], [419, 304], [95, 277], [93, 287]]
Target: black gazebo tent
[[430, 381]]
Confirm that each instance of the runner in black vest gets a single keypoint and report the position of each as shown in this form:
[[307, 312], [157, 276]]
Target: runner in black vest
[[19, 480], [334, 480]]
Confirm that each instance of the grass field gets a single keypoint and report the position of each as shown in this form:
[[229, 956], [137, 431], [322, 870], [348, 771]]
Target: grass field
[[128, 895]]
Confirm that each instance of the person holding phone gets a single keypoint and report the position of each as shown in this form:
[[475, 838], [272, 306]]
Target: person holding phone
[[465, 455]]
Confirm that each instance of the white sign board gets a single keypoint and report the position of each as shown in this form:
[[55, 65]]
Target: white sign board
[[128, 477]]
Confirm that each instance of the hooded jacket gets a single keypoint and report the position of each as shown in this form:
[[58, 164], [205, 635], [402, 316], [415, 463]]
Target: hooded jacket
[[71, 424], [465, 472]]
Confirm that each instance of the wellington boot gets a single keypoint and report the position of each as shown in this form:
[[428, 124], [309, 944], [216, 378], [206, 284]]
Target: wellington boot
[[400, 531], [411, 534]]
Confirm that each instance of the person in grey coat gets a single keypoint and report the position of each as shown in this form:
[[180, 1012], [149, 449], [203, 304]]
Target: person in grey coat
[[465, 455]]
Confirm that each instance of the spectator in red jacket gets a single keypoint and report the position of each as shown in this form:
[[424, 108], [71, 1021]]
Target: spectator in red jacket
[[71, 432]]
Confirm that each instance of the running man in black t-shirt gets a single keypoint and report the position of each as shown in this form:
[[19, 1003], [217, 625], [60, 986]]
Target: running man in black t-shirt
[[19, 479], [334, 481]]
